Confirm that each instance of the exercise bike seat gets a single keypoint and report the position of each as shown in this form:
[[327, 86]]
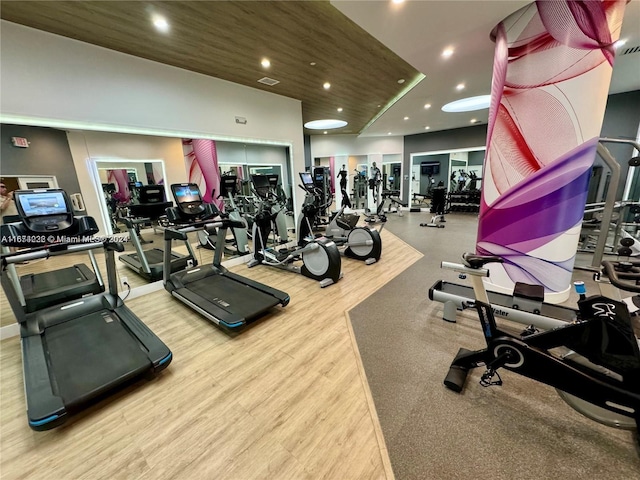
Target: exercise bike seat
[[472, 260], [348, 221]]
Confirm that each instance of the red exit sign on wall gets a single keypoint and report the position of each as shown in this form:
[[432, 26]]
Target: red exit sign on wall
[[19, 142]]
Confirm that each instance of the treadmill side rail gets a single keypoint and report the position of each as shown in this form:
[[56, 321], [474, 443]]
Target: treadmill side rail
[[158, 353], [45, 410], [279, 294]]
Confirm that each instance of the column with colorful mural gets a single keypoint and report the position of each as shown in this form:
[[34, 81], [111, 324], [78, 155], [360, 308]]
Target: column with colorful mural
[[551, 74], [201, 162]]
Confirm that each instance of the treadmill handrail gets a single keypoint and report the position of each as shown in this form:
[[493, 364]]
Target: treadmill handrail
[[46, 252], [135, 221]]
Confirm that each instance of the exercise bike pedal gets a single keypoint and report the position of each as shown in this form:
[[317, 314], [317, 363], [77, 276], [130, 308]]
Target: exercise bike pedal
[[487, 378], [530, 330]]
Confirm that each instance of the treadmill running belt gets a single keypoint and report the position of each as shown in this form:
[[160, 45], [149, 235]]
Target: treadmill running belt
[[47, 281], [232, 296], [157, 256], [154, 256], [90, 353]]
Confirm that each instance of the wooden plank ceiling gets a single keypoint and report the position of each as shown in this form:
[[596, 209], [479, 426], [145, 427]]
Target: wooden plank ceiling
[[228, 39]]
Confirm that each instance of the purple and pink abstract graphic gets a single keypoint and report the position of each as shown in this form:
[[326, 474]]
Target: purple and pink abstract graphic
[[551, 74], [201, 161]]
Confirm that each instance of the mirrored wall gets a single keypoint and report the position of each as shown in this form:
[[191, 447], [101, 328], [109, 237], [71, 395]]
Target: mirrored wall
[[385, 170], [457, 171]]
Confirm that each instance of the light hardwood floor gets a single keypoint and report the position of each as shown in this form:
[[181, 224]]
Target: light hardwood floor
[[284, 399]]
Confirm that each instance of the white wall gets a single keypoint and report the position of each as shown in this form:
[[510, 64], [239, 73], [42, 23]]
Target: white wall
[[54, 81], [333, 145]]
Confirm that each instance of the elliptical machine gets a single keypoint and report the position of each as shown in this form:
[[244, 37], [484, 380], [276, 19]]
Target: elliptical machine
[[240, 243], [594, 362], [363, 243], [320, 257]]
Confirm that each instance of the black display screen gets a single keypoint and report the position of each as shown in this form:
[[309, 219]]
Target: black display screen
[[430, 168], [186, 193], [306, 178]]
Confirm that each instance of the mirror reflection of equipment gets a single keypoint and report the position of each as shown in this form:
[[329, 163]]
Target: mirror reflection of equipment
[[150, 210]]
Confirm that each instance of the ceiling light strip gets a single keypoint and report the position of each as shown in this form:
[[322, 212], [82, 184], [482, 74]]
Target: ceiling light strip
[[403, 92]]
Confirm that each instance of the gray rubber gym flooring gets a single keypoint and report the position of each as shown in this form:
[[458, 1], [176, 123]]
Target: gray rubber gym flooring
[[521, 430]]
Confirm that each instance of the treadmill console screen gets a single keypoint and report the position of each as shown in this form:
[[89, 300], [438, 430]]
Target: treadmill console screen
[[186, 193], [44, 210], [44, 203]]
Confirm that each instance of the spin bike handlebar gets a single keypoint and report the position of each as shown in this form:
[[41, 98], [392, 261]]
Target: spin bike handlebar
[[624, 275]]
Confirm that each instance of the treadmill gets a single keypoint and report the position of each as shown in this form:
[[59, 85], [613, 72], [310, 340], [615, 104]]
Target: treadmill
[[77, 351], [226, 299], [149, 263], [40, 290]]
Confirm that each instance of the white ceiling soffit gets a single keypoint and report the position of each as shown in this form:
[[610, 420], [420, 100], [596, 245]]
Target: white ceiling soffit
[[418, 31]]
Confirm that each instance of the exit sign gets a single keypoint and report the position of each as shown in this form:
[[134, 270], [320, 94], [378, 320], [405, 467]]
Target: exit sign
[[20, 142]]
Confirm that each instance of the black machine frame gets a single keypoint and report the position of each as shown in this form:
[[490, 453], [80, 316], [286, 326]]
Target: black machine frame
[[602, 367]]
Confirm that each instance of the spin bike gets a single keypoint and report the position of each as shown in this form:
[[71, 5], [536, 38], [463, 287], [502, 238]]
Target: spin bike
[[320, 258], [598, 370]]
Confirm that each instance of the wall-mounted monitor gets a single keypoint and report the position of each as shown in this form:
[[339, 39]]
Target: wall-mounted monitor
[[430, 168]]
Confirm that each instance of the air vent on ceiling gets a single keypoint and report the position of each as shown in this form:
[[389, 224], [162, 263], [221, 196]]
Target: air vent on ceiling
[[268, 81], [629, 50]]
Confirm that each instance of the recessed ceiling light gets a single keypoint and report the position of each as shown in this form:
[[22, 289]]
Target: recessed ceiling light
[[325, 124], [160, 23], [427, 127], [406, 118], [265, 63], [427, 105], [447, 52], [460, 86], [474, 120], [325, 132], [401, 81], [313, 64], [619, 43], [326, 85], [339, 109], [389, 133], [468, 104], [397, 1], [379, 106]]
